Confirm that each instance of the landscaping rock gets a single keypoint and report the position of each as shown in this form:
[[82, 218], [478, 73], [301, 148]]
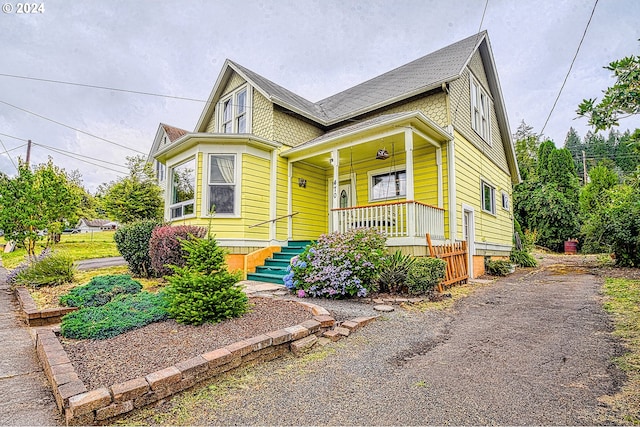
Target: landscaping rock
[[383, 308]]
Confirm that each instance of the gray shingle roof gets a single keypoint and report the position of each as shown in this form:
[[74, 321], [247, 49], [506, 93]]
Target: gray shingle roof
[[420, 75], [278, 93]]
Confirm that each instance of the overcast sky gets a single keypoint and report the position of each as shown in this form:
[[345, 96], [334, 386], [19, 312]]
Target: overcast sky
[[314, 48]]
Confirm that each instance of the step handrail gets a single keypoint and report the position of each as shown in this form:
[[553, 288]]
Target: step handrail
[[273, 220]]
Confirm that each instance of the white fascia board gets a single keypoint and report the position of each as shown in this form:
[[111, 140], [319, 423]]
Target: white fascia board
[[503, 120], [156, 143], [222, 138], [214, 94], [296, 152]]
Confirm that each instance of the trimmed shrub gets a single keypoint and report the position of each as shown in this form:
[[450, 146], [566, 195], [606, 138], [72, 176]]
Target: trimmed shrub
[[132, 241], [499, 267], [165, 248], [204, 290], [425, 274], [48, 269], [393, 272], [523, 258], [338, 265], [100, 290], [125, 312]]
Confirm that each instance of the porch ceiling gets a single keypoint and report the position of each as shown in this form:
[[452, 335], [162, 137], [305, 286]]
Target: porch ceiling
[[361, 141]]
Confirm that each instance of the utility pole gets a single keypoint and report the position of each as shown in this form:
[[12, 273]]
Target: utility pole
[[584, 168], [29, 152]]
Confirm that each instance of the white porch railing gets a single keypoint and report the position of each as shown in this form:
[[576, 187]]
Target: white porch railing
[[397, 219]]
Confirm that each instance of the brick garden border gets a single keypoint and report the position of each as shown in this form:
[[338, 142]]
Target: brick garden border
[[83, 407], [35, 317]]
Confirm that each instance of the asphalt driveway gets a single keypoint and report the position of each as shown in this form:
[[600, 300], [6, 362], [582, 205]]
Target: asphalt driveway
[[532, 348]]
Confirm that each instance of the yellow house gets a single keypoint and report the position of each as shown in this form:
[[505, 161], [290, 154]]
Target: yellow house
[[424, 148]]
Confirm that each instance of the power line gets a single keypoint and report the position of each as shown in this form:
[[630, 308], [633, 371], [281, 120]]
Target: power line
[[14, 137], [570, 67], [13, 149], [61, 151], [70, 127], [85, 161], [182, 98], [10, 158]]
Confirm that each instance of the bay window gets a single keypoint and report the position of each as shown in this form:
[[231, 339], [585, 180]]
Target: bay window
[[222, 183], [183, 184]]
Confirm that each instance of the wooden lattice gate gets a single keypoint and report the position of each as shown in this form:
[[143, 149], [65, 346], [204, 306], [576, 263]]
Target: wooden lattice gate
[[455, 255]]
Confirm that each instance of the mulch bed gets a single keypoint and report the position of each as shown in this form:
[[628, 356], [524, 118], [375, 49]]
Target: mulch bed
[[101, 363]]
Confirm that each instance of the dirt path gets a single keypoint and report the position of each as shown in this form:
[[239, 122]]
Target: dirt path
[[533, 348]]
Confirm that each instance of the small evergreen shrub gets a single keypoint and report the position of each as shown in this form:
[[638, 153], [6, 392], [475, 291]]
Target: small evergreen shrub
[[204, 290], [498, 267], [132, 241], [100, 290], [425, 274], [48, 269], [393, 272], [523, 258], [124, 313], [338, 265], [165, 248]]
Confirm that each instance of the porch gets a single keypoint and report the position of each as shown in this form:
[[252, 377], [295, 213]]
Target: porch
[[402, 222]]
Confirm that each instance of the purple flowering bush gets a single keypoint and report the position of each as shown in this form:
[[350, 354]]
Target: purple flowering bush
[[338, 265]]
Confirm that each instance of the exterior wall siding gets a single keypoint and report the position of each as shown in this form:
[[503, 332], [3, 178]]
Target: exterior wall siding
[[282, 199], [291, 131], [262, 116], [471, 169], [255, 196], [461, 114], [311, 202]]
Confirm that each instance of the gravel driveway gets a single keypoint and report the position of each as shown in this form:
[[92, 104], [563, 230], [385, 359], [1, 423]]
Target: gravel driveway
[[532, 348]]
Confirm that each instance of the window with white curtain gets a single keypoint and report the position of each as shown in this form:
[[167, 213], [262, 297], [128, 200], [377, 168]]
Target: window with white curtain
[[183, 184], [222, 183], [389, 185]]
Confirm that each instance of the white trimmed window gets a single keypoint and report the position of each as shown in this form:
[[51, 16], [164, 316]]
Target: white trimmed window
[[488, 198], [505, 201], [480, 107], [387, 185], [183, 185], [234, 112], [222, 183], [160, 171]]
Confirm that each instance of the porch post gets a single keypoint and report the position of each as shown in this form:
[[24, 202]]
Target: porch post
[[273, 197], [439, 164], [335, 202], [289, 201], [411, 194]]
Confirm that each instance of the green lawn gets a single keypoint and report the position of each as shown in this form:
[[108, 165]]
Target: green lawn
[[623, 303], [77, 246]]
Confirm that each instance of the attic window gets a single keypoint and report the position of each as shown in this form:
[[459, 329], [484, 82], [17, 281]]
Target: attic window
[[480, 105], [234, 111]]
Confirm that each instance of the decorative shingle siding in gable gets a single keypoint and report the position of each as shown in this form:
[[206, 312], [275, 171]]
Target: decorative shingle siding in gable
[[460, 104], [433, 106], [475, 64], [292, 131], [262, 116]]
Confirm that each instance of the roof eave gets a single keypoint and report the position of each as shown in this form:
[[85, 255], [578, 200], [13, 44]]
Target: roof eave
[[191, 139], [396, 120]]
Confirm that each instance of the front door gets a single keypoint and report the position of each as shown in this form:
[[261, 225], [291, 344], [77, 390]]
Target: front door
[[344, 194]]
